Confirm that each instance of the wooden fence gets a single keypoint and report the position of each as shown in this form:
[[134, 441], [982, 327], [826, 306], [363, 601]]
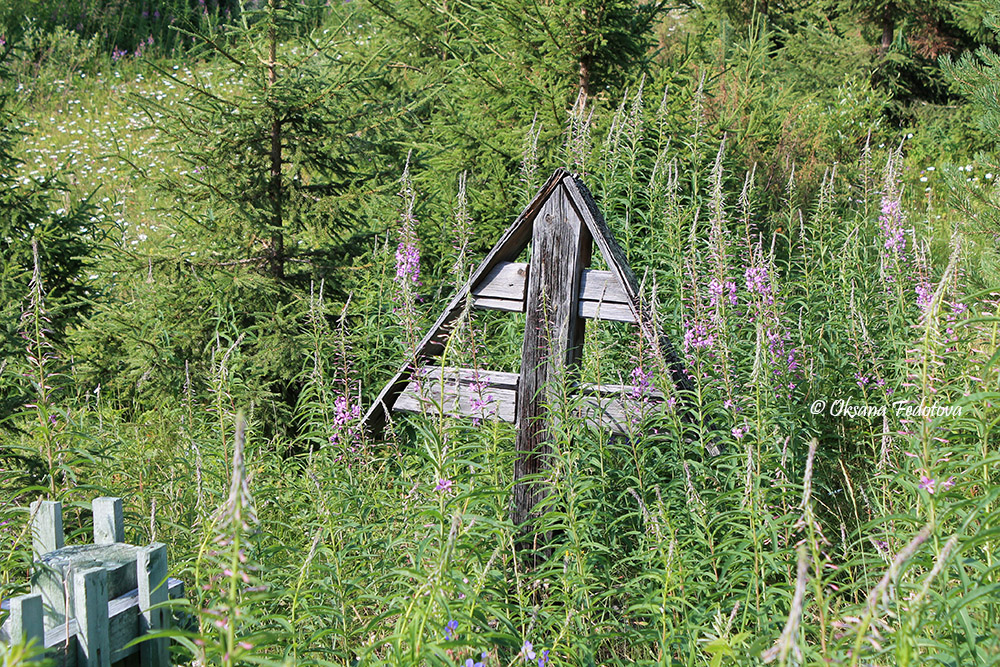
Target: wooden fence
[[89, 602]]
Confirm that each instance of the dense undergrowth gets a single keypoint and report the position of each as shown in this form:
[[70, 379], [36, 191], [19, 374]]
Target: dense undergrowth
[[837, 319]]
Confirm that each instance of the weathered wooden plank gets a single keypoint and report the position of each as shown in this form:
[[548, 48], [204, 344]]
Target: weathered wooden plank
[[497, 379], [618, 414], [460, 392], [507, 280], [26, 619], [553, 336], [615, 312], [508, 305], [602, 286], [46, 527], [513, 241], [91, 611], [109, 525], [151, 572]]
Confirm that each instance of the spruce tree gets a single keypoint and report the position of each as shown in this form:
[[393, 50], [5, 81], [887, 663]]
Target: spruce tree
[[282, 137], [279, 149]]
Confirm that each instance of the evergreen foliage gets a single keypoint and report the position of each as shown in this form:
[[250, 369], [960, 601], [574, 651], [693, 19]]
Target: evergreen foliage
[[256, 282]]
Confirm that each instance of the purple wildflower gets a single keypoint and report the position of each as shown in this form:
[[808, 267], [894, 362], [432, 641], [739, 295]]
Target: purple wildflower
[[891, 222], [697, 336], [480, 400], [449, 630], [924, 295], [443, 485], [641, 383], [927, 484], [543, 659], [528, 651], [346, 419], [117, 54], [407, 262], [470, 663], [759, 282]]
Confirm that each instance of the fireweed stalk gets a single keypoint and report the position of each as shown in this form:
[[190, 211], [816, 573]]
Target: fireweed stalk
[[223, 617], [408, 262], [40, 355]]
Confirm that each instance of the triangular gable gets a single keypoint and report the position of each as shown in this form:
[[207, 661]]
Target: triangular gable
[[615, 291], [617, 263]]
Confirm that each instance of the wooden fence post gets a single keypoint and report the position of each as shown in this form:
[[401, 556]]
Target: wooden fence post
[[109, 526], [90, 591], [151, 570], [46, 527], [553, 339], [26, 619]]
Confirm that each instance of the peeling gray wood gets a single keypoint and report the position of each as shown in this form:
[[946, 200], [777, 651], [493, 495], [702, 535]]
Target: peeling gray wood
[[508, 305], [109, 524], [507, 280], [151, 572], [602, 286], [552, 346], [460, 392], [612, 312], [46, 527], [513, 241]]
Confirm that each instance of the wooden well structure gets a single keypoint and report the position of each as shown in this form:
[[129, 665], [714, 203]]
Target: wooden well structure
[[558, 292]]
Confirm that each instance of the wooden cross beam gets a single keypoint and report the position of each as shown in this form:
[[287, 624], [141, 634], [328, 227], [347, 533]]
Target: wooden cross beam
[[557, 292]]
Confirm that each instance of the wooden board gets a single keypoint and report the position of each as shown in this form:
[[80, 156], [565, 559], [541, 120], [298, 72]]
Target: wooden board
[[553, 341], [461, 392]]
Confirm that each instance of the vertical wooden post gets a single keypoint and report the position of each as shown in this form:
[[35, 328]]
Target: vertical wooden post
[[151, 568], [109, 525], [46, 527], [90, 602], [553, 333], [26, 619]]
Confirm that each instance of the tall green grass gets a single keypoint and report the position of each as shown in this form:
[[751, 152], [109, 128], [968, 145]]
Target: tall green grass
[[815, 537]]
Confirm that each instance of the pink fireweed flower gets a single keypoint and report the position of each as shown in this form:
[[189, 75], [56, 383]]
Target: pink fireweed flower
[[759, 282], [407, 262], [443, 485], [925, 293], [927, 484], [642, 384], [717, 289], [891, 222]]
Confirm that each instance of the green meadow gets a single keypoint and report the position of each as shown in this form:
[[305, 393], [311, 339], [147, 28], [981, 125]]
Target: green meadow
[[226, 225]]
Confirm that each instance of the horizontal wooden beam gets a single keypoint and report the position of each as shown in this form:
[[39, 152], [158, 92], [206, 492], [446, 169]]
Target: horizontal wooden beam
[[601, 295], [463, 392]]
